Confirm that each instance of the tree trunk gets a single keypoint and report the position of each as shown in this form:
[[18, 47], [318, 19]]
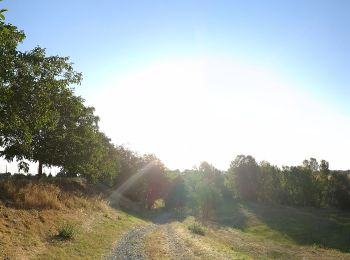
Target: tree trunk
[[40, 169]]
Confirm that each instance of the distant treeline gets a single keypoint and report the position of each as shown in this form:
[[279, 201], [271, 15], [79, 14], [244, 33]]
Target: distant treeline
[[42, 120], [310, 184]]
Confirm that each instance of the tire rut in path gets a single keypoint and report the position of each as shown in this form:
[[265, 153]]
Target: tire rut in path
[[131, 246], [178, 249]]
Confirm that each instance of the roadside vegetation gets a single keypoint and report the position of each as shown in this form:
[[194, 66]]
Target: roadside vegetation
[[74, 222], [196, 228]]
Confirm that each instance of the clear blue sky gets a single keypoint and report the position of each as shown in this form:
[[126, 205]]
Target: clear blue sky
[[305, 44]]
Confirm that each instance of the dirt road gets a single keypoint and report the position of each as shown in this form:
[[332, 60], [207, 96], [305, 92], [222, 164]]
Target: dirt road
[[132, 245]]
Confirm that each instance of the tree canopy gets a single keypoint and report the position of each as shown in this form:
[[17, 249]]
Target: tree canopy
[[42, 120]]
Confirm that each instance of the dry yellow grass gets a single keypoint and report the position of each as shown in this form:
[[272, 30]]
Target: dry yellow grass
[[203, 247], [25, 233], [32, 211], [156, 246], [41, 194]]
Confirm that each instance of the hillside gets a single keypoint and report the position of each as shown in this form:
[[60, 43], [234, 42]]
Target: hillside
[[34, 212], [244, 231]]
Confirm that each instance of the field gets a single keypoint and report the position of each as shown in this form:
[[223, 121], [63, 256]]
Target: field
[[252, 231], [260, 231], [33, 213]]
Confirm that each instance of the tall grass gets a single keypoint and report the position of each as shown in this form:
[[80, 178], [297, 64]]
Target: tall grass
[[42, 196], [29, 193]]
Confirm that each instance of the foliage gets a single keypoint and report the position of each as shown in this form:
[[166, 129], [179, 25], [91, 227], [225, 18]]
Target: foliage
[[269, 183], [196, 228], [153, 180], [177, 195], [2, 11], [339, 191], [67, 231], [142, 178], [309, 184], [33, 95], [243, 177], [204, 188], [208, 199], [42, 120]]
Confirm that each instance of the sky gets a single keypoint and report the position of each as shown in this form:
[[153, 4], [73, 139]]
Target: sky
[[207, 80]]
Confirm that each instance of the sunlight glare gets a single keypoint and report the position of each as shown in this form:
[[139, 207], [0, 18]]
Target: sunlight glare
[[186, 110]]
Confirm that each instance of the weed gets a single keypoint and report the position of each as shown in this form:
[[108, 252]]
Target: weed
[[67, 231], [196, 228]]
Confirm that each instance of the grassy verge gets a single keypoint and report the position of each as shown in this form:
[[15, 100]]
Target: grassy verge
[[57, 219], [94, 242], [206, 246], [31, 234], [324, 228], [246, 231]]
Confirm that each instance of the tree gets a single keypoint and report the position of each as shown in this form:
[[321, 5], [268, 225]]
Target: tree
[[212, 176], [311, 164], [324, 167], [2, 11], [10, 37], [91, 155], [208, 199], [269, 183], [177, 195], [339, 191], [322, 183], [34, 90], [299, 186], [142, 178], [243, 177], [153, 180], [41, 118]]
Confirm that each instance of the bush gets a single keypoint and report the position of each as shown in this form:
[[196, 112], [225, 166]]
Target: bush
[[67, 231], [196, 228]]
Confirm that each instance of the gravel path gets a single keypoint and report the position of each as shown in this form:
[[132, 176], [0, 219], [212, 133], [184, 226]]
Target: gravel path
[[177, 246], [131, 246]]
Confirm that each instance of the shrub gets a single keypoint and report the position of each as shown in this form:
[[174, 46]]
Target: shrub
[[196, 228], [67, 231]]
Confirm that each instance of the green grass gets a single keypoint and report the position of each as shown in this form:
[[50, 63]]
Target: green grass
[[67, 231], [94, 243], [196, 228], [208, 246], [246, 230], [325, 228]]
